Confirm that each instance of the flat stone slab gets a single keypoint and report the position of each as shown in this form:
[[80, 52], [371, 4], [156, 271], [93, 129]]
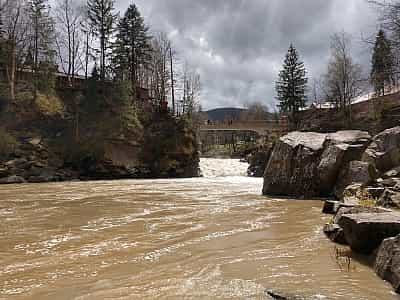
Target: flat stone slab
[[351, 209], [364, 232]]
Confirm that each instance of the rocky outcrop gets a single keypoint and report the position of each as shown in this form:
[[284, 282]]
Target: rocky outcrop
[[384, 151], [307, 164], [33, 162], [364, 232], [293, 164], [169, 151], [258, 159], [355, 172], [387, 263], [170, 148], [12, 179], [335, 233]]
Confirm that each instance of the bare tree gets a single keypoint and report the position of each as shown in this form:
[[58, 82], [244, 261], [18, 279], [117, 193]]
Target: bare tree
[[87, 36], [191, 90], [343, 78], [41, 37], [15, 39], [68, 17], [171, 59], [160, 77]]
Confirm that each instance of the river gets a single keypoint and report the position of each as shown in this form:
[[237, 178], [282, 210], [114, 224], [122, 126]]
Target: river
[[205, 238]]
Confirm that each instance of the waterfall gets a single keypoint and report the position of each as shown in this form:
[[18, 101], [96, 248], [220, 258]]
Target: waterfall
[[216, 167]]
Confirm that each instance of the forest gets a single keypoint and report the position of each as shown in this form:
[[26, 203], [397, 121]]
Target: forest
[[80, 40]]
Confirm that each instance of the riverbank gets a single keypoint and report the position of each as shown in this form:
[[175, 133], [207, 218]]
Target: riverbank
[[361, 172], [44, 142]]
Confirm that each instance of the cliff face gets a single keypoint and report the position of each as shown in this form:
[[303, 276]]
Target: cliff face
[[44, 146], [170, 147]]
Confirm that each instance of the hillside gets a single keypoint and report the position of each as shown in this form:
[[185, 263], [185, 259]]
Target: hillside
[[221, 114]]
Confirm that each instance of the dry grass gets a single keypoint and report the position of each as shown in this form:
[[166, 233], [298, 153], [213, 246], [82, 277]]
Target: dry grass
[[50, 105], [365, 199]]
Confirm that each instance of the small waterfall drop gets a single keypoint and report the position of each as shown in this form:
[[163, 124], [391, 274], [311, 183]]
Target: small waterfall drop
[[217, 167]]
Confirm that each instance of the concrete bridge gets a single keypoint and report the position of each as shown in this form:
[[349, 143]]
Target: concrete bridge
[[231, 133], [262, 128]]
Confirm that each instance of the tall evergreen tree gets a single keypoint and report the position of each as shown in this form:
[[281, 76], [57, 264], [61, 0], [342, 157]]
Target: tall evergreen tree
[[132, 47], [101, 20], [292, 84], [382, 64]]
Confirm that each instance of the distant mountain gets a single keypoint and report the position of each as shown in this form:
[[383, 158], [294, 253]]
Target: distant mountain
[[221, 114]]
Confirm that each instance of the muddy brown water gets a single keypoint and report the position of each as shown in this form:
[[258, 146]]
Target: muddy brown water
[[207, 238]]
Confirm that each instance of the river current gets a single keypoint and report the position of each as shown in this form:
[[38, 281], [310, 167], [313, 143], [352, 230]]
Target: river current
[[214, 237]]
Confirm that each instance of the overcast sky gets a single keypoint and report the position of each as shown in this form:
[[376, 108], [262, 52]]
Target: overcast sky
[[238, 46]]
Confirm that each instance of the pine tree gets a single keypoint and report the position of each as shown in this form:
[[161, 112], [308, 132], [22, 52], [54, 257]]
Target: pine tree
[[101, 20], [292, 84], [382, 63], [132, 47]]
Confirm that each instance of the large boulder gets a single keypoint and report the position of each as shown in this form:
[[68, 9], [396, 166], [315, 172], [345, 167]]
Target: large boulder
[[339, 149], [307, 164], [292, 167], [364, 232], [355, 172], [384, 151], [390, 198], [387, 263]]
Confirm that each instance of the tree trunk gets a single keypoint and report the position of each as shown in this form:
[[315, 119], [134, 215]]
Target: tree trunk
[[11, 71], [172, 82], [87, 56]]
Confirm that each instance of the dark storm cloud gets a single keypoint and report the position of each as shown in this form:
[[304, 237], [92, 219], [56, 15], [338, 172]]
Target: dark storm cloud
[[238, 45]]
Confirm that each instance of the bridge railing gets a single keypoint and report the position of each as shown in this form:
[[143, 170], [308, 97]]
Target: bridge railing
[[258, 125]]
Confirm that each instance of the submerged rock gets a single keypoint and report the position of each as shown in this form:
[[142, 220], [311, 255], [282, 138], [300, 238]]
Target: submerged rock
[[278, 295]]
